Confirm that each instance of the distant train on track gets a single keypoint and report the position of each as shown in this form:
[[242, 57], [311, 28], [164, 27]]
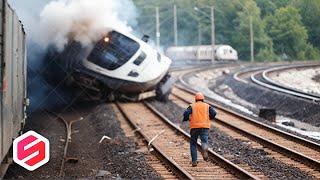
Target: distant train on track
[[119, 65], [13, 76], [203, 52]]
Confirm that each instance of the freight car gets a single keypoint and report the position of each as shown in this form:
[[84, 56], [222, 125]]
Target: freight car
[[118, 66], [203, 52], [13, 81]]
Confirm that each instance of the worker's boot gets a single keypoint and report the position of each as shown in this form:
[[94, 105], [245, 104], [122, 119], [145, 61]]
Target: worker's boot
[[204, 153], [194, 164]]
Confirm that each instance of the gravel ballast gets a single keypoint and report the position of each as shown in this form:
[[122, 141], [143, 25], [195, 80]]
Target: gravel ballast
[[298, 78], [286, 105], [219, 86], [236, 150], [120, 154], [116, 158]]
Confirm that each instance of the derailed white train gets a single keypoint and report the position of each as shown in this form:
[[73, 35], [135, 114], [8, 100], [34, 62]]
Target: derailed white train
[[203, 52], [119, 65]]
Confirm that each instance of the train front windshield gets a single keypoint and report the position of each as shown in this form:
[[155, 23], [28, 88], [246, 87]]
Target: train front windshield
[[113, 51]]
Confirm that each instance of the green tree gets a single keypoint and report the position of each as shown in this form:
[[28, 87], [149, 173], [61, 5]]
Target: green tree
[[280, 3], [310, 13], [241, 37], [289, 35], [267, 7], [225, 15]]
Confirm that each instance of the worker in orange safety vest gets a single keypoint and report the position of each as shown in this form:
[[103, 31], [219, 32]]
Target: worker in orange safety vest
[[199, 114]]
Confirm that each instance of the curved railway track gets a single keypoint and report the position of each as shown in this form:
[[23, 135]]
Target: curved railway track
[[260, 77], [172, 144], [289, 148], [270, 81]]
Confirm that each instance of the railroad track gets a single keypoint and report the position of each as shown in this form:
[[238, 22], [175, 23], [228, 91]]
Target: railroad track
[[68, 129], [270, 81], [242, 76], [286, 147], [260, 76], [172, 144]]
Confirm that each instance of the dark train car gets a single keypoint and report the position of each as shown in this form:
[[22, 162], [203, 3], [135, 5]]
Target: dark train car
[[12, 80]]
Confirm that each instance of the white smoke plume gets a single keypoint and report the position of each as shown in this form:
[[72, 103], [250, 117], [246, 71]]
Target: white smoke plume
[[55, 22], [85, 21]]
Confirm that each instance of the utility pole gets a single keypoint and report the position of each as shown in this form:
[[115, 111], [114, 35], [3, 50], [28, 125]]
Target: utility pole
[[175, 25], [213, 33], [157, 27], [251, 41], [199, 34]]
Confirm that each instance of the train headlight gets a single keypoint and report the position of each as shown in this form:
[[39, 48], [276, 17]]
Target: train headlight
[[106, 39], [133, 73]]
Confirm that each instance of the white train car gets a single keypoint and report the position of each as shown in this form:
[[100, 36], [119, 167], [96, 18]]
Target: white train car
[[118, 65], [203, 52]]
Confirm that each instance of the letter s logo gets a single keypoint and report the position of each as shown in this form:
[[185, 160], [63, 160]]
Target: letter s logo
[[31, 150]]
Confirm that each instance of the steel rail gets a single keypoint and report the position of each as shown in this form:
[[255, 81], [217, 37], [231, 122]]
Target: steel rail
[[270, 84], [238, 171], [179, 171], [270, 81], [302, 141], [281, 89], [68, 126], [313, 163], [237, 74], [185, 87]]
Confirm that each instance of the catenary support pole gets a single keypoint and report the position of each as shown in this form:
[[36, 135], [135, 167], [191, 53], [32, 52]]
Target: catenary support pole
[[175, 25], [251, 41], [157, 28], [213, 33]]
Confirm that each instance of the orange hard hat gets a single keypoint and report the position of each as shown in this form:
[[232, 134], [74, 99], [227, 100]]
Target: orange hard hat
[[199, 96]]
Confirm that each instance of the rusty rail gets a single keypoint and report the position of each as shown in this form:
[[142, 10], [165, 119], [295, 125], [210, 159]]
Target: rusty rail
[[222, 162], [179, 171], [68, 126]]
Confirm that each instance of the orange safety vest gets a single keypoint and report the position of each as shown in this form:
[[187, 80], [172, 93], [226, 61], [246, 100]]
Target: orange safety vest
[[199, 117]]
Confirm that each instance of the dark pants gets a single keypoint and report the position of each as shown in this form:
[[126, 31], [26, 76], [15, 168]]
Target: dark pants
[[195, 133]]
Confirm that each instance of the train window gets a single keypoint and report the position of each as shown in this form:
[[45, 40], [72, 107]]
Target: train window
[[115, 52], [140, 59]]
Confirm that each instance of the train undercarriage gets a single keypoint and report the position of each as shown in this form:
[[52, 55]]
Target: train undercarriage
[[93, 89]]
